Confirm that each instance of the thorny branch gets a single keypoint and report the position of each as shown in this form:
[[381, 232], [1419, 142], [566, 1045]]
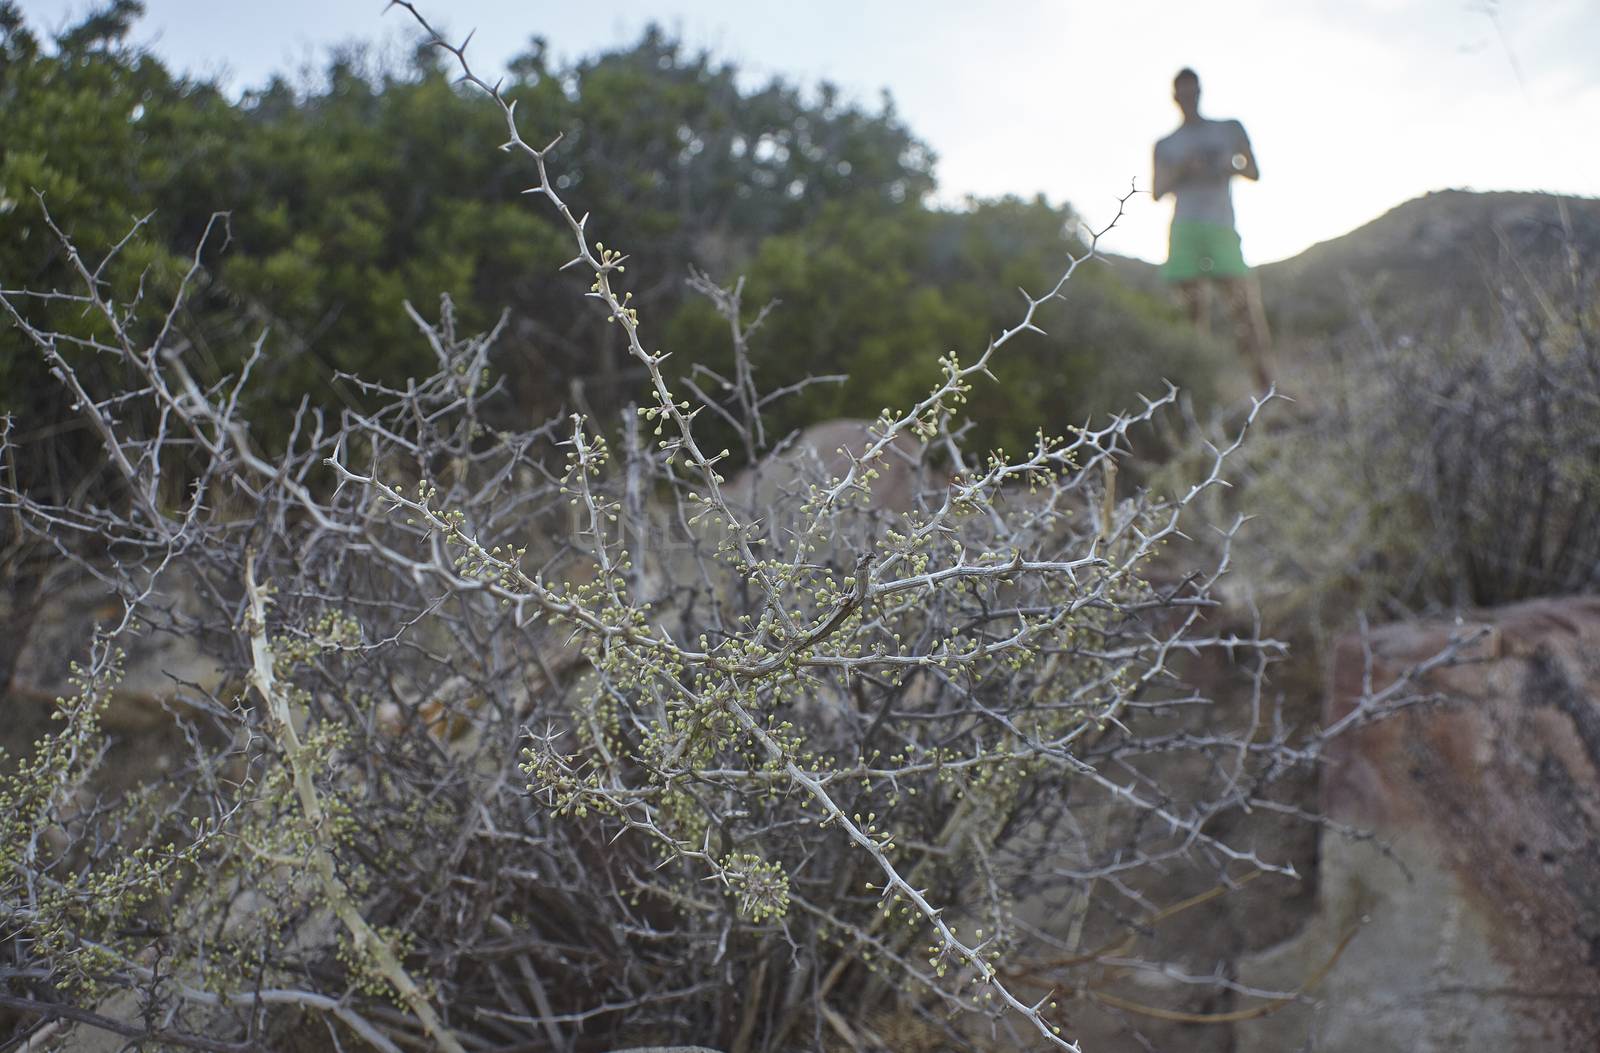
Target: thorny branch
[[546, 750]]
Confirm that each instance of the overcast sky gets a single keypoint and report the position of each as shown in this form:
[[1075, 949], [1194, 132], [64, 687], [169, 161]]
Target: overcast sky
[[1353, 105]]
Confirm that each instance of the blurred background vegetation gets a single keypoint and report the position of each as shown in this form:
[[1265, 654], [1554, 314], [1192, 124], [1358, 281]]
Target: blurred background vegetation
[[376, 182], [379, 184]]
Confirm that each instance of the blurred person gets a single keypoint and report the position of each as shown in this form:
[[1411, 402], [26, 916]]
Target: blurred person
[[1196, 164]]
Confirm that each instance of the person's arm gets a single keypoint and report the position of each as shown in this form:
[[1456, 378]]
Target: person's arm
[[1192, 166], [1244, 158]]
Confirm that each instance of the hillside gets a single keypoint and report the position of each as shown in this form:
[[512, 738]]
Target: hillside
[[1423, 263]]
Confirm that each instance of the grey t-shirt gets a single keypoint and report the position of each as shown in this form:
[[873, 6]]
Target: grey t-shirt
[[1196, 161]]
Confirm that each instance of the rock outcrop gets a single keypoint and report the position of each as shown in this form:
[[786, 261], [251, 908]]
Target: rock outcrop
[[156, 666], [1473, 913]]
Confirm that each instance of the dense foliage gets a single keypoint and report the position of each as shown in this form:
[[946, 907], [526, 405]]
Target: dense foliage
[[377, 185]]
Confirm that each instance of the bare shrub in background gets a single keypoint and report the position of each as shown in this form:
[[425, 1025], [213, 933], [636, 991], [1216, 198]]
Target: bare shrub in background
[[561, 738], [1455, 469]]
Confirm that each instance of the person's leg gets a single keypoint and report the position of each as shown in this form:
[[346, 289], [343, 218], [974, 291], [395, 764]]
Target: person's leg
[[1195, 300], [1185, 270], [1243, 297]]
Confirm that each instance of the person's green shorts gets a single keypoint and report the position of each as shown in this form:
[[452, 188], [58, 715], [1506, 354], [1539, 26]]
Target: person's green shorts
[[1203, 250]]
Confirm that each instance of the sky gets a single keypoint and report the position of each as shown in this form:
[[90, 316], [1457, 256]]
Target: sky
[[1353, 106]]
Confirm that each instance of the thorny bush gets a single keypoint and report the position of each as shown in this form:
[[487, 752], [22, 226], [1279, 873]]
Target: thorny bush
[[557, 738]]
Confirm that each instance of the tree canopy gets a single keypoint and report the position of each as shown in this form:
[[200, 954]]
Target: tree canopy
[[375, 185]]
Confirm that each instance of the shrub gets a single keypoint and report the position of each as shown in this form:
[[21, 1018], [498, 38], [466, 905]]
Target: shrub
[[535, 739], [1445, 471]]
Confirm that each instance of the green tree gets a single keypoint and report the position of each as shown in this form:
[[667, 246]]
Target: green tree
[[882, 294], [377, 185]]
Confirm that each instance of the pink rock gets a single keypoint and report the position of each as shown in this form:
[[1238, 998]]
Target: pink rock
[[1489, 937]]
